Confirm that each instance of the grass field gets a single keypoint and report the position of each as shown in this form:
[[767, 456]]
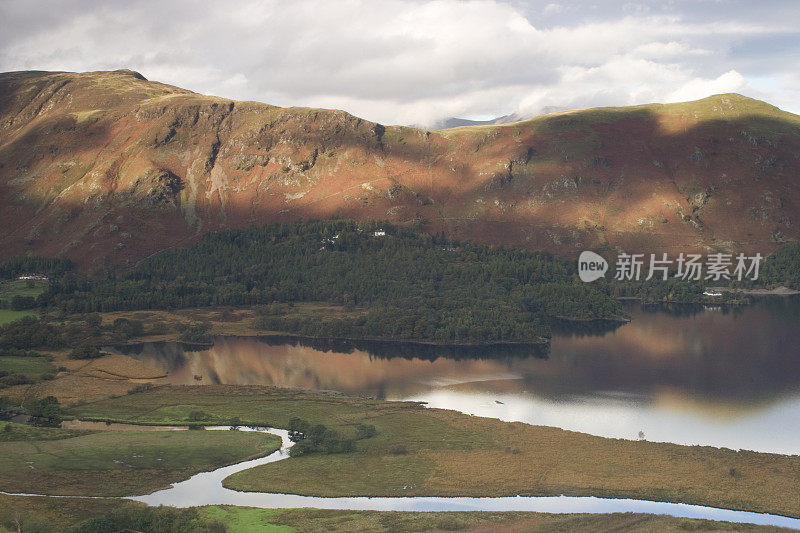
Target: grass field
[[248, 520], [46, 515], [115, 463], [49, 514], [9, 289], [7, 315], [25, 365], [450, 454]]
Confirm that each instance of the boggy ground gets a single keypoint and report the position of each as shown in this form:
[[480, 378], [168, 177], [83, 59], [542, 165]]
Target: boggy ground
[[420, 451], [115, 463], [46, 515]]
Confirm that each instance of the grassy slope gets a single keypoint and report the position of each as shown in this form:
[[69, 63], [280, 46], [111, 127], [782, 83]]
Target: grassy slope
[[7, 315], [25, 365], [113, 463], [9, 289], [454, 454]]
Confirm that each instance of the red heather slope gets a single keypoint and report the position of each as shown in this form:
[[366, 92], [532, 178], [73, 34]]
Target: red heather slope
[[107, 168]]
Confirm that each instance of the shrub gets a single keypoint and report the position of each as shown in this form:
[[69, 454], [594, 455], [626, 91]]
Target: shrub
[[164, 519], [85, 351], [159, 328], [94, 323], [47, 410], [196, 333], [128, 328], [397, 449], [14, 379], [20, 303], [31, 332], [318, 439], [197, 415], [140, 388], [364, 431]]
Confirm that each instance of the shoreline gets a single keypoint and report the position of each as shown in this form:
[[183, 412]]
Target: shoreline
[[540, 342], [777, 291]]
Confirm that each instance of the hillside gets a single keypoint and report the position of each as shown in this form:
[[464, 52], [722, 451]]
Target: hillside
[[106, 168]]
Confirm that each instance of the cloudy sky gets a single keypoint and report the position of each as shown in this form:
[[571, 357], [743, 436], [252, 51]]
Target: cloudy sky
[[413, 62]]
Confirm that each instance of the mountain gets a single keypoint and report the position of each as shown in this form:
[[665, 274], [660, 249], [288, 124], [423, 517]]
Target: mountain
[[455, 122], [107, 168]]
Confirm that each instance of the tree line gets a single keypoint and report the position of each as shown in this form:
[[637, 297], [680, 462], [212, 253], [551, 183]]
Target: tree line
[[411, 285]]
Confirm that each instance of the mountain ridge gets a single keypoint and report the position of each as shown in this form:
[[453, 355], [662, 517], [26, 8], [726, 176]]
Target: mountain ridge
[[107, 167]]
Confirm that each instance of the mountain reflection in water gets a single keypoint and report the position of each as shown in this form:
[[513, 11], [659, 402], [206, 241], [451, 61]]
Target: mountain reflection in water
[[685, 374]]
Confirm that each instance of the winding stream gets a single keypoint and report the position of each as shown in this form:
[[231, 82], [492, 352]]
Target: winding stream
[[206, 489]]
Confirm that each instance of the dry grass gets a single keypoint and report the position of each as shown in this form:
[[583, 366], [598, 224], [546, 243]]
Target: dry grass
[[59, 514], [451, 454], [85, 381], [543, 460], [123, 367]]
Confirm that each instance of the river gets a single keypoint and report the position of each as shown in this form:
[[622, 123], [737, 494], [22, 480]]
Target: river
[[206, 489]]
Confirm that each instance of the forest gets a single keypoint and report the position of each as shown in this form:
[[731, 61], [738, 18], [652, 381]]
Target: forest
[[409, 285], [396, 284], [783, 266]]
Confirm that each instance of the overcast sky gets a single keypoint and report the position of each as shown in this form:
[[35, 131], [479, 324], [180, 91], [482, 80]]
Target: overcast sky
[[413, 62]]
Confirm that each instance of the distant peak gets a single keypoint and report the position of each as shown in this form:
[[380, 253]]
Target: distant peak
[[128, 72]]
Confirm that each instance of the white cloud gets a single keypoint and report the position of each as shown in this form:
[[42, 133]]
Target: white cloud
[[730, 82], [406, 61]]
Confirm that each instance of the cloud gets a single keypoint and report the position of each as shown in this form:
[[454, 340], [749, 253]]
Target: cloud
[[413, 61], [730, 82]]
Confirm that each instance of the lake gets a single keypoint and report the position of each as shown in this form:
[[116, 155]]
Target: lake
[[683, 374]]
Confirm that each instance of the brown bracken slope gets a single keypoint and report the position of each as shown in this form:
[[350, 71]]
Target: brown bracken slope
[[107, 168]]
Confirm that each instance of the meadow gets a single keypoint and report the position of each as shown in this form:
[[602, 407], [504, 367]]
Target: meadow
[[433, 452], [8, 315], [80, 515], [115, 463]]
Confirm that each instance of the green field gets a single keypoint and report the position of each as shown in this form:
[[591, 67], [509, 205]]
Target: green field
[[116, 463], [25, 365], [419, 452], [249, 520], [9, 289], [50, 515], [7, 315]]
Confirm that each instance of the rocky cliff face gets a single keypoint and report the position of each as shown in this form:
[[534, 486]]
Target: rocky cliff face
[[107, 168]]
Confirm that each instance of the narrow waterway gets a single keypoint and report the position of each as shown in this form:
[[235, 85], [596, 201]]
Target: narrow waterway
[[206, 489]]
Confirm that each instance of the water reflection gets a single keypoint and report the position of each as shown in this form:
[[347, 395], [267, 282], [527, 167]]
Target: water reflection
[[692, 375]]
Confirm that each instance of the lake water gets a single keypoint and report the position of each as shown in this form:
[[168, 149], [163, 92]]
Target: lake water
[[685, 374]]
